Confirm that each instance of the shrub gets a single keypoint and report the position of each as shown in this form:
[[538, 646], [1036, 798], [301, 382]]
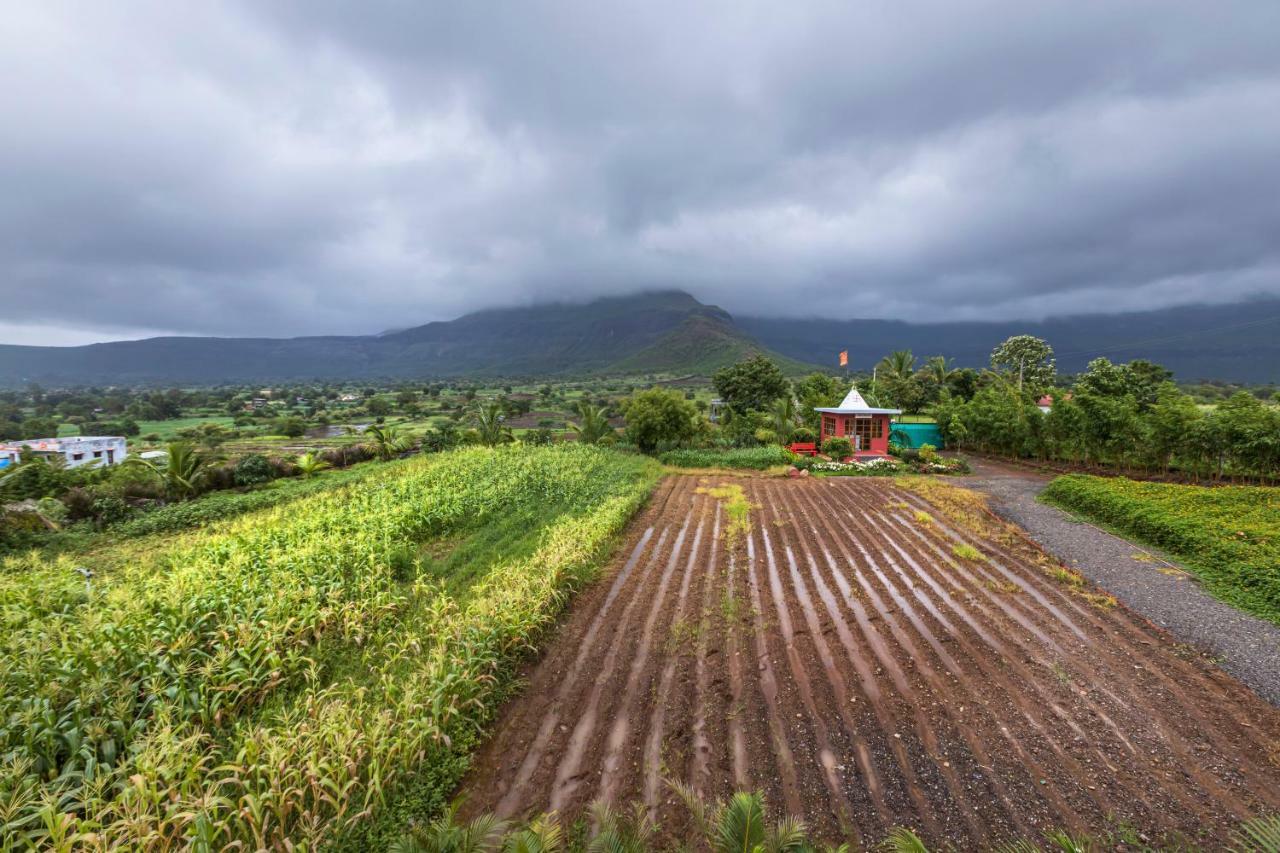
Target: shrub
[[928, 453], [658, 417], [837, 447], [79, 502], [803, 435], [109, 509], [253, 470], [540, 437]]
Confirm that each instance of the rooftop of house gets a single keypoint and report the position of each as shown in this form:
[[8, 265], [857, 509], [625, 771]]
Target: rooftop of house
[[854, 404], [59, 443]]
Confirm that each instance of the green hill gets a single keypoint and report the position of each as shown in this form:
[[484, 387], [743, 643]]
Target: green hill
[[666, 331]]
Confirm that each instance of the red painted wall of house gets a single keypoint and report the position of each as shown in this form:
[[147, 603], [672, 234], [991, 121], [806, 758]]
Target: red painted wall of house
[[844, 426]]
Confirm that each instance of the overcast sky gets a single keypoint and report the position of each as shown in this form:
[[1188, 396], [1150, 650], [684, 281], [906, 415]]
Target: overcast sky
[[277, 168]]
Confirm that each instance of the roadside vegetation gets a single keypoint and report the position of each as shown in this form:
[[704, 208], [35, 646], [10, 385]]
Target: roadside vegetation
[[310, 674], [1229, 536]]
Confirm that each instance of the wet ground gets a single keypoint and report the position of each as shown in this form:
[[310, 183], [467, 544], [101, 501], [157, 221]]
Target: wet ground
[[1149, 582], [846, 660]]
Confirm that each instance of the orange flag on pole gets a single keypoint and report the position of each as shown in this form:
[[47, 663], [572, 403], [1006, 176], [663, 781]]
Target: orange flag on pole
[[844, 358]]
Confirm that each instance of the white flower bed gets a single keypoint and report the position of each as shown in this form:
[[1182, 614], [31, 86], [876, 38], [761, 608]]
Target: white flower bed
[[869, 466]]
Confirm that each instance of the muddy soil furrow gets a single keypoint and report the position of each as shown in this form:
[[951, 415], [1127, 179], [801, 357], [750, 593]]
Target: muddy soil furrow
[[767, 678], [1182, 698], [1033, 797], [1059, 699], [1041, 730], [522, 738], [673, 647], [978, 765], [589, 700], [948, 803], [733, 654], [699, 775], [842, 658], [949, 798], [825, 743], [637, 689], [1177, 719]]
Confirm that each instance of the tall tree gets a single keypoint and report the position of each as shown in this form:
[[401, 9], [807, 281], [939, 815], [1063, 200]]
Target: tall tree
[[751, 385], [899, 364], [1027, 361]]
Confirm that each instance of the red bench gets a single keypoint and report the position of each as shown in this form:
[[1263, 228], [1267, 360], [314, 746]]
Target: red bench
[[801, 448]]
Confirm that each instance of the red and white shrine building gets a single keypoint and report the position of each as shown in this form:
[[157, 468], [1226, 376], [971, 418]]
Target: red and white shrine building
[[866, 427]]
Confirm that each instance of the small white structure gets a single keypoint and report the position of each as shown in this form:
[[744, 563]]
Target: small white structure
[[77, 450]]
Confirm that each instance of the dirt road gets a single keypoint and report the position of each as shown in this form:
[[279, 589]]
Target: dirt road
[[849, 659]]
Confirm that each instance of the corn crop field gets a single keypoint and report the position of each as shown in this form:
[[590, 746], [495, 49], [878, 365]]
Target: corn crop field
[[301, 676]]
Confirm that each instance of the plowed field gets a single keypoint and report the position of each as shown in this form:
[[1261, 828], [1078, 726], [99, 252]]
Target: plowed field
[[846, 660]]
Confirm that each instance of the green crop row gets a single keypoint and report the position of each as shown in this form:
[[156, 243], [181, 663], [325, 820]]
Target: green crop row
[[757, 458], [185, 699], [1228, 536]]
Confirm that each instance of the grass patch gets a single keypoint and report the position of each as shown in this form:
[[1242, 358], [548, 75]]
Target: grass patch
[[968, 509], [169, 429], [966, 552], [736, 507], [753, 458], [1228, 536], [923, 517]]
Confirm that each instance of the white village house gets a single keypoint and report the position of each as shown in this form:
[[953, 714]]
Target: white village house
[[77, 450]]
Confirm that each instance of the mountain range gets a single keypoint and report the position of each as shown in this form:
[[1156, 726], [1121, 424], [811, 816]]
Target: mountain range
[[658, 332]]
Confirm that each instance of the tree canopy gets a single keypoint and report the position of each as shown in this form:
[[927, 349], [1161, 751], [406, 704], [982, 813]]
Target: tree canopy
[[1027, 361], [659, 417], [752, 385]]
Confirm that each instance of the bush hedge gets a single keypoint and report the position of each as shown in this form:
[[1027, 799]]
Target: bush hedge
[[755, 458]]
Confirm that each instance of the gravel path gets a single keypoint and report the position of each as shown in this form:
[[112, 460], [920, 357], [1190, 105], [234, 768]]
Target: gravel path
[[1148, 582]]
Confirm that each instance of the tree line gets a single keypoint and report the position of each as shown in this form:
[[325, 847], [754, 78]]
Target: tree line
[[1127, 416]]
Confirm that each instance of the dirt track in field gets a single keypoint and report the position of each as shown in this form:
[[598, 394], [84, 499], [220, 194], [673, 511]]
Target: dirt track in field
[[843, 660]]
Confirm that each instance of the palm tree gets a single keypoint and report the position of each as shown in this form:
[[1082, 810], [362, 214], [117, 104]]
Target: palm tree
[[488, 418], [740, 823], [593, 422], [784, 418], [939, 368], [308, 465], [899, 364], [182, 471], [387, 443]]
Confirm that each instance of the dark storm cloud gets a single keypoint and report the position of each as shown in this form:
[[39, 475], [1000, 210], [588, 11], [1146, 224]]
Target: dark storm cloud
[[319, 167]]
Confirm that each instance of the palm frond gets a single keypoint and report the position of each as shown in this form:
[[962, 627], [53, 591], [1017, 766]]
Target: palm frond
[[788, 835], [1260, 835], [1019, 846], [482, 835], [740, 824], [697, 806], [903, 840], [543, 835]]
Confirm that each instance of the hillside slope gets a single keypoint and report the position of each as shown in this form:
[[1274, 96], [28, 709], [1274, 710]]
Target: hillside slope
[[644, 333]]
